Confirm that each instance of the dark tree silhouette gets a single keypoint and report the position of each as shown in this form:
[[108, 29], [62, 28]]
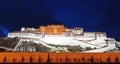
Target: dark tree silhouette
[[66, 59], [4, 59], [39, 59], [100, 60], [22, 60], [108, 59], [57, 59], [74, 59], [78, 60], [97, 60], [83, 59], [31, 59], [51, 59], [91, 59], [60, 59], [14, 60], [88, 59], [117, 60], [48, 60], [69, 60]]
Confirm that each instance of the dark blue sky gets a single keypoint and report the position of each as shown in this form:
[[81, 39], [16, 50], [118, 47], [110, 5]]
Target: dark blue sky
[[92, 15]]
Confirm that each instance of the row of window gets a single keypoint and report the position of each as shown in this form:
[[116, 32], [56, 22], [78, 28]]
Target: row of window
[[10, 34], [24, 49]]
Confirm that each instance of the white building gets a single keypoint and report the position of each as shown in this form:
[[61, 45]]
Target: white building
[[72, 37]]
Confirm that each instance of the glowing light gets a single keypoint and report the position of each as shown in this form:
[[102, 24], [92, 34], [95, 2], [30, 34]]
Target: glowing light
[[3, 30]]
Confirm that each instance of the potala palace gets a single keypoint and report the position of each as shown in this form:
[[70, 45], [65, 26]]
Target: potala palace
[[60, 35]]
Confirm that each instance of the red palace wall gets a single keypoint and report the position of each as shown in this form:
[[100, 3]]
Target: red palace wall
[[52, 29]]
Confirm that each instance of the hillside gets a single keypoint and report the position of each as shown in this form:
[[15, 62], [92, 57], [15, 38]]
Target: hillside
[[6, 42]]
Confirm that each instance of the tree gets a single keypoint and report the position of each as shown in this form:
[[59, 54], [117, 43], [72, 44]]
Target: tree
[[48, 60], [88, 59], [83, 59], [39, 59], [91, 59], [60, 59], [97, 60], [4, 59], [22, 60], [78, 60], [88, 48], [14, 60], [72, 49], [108, 59], [31, 59], [117, 59], [67, 59], [57, 59], [74, 59], [100, 60]]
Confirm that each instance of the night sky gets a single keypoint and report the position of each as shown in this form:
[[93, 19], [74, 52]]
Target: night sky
[[92, 15]]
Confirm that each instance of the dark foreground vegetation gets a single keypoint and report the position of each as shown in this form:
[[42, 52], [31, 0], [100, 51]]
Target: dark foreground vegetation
[[39, 47], [8, 42]]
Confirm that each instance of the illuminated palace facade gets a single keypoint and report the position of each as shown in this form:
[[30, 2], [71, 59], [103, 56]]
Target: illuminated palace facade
[[60, 35], [54, 30], [50, 30]]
